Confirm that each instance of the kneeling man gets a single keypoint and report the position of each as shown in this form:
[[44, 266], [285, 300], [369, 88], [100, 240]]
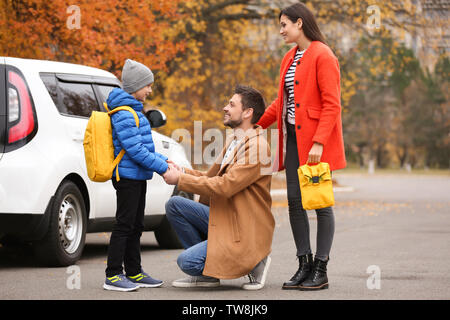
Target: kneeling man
[[228, 233]]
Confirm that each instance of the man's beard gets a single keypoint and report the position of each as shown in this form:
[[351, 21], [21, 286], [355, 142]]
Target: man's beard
[[233, 123]]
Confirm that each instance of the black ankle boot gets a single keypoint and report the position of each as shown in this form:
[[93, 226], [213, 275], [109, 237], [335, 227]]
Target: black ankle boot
[[317, 279], [304, 269]]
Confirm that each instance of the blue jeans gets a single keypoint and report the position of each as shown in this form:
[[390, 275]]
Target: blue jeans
[[190, 221]]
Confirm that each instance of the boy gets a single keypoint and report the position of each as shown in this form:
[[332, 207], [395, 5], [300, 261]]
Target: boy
[[136, 167]]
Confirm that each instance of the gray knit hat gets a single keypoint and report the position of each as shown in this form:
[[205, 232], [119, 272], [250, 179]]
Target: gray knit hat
[[135, 76]]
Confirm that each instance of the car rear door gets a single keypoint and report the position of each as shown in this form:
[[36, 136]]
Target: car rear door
[[75, 100], [2, 106]]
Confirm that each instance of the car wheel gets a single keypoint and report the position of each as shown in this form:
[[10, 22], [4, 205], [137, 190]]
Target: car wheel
[[64, 241], [165, 234]]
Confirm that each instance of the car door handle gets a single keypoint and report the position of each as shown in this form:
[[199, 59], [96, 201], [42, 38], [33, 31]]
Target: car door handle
[[165, 144], [78, 137]]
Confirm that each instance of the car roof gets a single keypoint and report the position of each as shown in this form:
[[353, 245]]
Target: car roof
[[57, 67]]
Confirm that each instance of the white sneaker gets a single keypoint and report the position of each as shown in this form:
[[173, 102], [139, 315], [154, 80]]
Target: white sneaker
[[198, 281], [258, 275]]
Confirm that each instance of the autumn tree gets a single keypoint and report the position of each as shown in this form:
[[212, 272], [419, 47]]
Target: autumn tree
[[370, 124], [95, 33], [224, 46], [435, 114], [400, 112], [238, 35], [201, 49]]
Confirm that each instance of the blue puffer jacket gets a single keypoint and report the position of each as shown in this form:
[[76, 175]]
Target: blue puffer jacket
[[140, 159]]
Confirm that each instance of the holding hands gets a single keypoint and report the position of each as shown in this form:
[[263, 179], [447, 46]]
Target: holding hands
[[172, 174]]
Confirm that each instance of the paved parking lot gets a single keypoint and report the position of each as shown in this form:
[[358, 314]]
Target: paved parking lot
[[392, 241]]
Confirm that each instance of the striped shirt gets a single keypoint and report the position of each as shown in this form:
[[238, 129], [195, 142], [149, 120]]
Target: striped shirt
[[289, 86]]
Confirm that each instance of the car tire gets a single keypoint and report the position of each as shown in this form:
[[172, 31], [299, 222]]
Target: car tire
[[64, 242], [165, 234]]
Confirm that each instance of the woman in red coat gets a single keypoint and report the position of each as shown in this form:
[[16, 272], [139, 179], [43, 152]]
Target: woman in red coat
[[308, 114]]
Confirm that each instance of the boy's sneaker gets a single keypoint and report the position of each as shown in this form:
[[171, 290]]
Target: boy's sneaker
[[198, 281], [143, 280], [119, 283], [258, 275]]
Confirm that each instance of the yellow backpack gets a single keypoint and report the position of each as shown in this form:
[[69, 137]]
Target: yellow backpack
[[316, 186], [98, 145]]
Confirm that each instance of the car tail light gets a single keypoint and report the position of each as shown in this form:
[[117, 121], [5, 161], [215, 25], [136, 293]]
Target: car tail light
[[22, 124]]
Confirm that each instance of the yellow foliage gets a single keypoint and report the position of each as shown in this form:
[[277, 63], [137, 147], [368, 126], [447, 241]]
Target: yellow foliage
[[203, 78]]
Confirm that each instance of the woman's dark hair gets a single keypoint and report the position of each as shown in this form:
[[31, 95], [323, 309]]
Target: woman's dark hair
[[251, 98], [310, 27]]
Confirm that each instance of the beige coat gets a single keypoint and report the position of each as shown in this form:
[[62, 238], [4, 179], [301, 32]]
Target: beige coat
[[241, 223]]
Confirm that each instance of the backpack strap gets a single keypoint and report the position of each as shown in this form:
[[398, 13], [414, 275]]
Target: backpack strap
[[116, 163], [122, 152], [136, 118]]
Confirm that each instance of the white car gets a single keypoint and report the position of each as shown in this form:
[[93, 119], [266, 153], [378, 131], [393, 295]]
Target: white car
[[46, 197]]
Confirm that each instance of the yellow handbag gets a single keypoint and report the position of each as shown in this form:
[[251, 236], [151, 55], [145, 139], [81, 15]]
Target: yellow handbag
[[316, 186]]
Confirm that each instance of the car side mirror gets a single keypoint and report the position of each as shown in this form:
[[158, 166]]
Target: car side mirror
[[157, 118]]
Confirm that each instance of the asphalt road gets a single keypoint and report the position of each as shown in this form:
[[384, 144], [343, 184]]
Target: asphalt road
[[392, 241]]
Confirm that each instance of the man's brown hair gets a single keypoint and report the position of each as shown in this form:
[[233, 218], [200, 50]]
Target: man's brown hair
[[251, 98]]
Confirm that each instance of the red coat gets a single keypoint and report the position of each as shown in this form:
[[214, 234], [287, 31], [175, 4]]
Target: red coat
[[317, 98]]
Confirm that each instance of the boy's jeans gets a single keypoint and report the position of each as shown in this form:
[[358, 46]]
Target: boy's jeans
[[190, 221]]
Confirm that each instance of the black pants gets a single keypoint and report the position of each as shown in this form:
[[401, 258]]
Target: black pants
[[125, 242], [297, 215]]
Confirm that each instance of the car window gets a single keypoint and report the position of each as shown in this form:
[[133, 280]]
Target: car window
[[71, 98], [77, 99], [50, 83], [104, 91]]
